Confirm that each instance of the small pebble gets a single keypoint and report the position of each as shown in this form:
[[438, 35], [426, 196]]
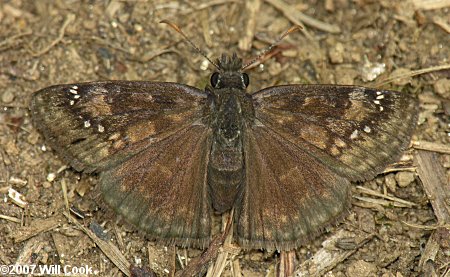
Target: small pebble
[[138, 27], [442, 87], [89, 24], [51, 177], [7, 96], [404, 178], [390, 182], [46, 185], [336, 54], [370, 71]]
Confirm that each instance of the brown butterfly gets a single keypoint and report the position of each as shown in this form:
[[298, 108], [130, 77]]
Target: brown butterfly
[[169, 155]]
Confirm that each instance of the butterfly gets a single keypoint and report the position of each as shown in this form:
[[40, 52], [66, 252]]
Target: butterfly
[[170, 155]]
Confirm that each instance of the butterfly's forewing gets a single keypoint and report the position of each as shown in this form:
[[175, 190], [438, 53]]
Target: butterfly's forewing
[[149, 141], [289, 195], [96, 125], [355, 131]]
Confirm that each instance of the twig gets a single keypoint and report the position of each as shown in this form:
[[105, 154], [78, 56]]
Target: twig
[[299, 18], [430, 4], [251, 10], [36, 227], [287, 263], [34, 245], [442, 23], [329, 255], [436, 186], [236, 268], [104, 42], [197, 264], [413, 73], [382, 202], [392, 198], [10, 218], [435, 183], [11, 39], [431, 146], [69, 19], [173, 265], [397, 169], [110, 250], [207, 5], [221, 261], [424, 227], [150, 56], [430, 252], [64, 191]]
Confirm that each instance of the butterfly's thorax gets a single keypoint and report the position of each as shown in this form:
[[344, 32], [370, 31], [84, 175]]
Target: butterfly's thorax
[[230, 109]]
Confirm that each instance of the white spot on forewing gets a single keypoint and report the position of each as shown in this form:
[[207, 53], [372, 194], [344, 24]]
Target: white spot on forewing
[[87, 124], [354, 135], [380, 97], [367, 129], [381, 108], [73, 91], [101, 129], [379, 93], [72, 102], [76, 96], [75, 87], [376, 102]]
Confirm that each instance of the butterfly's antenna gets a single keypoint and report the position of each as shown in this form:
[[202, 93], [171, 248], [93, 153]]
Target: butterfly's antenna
[[178, 30], [268, 49]]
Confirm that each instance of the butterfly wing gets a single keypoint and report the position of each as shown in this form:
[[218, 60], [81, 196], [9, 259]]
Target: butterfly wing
[[149, 141], [163, 190], [96, 125], [305, 145], [356, 131], [289, 195]]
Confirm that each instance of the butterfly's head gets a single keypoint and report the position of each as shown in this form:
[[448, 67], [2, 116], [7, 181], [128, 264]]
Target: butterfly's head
[[229, 74]]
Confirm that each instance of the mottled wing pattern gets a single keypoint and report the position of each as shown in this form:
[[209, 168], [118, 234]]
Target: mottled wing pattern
[[163, 190], [355, 131], [150, 144], [289, 195], [306, 144], [96, 125]]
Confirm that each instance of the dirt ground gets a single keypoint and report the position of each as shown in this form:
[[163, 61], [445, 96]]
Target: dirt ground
[[393, 228]]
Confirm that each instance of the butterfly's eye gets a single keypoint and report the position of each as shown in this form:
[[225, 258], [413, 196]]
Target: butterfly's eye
[[245, 79], [214, 79]]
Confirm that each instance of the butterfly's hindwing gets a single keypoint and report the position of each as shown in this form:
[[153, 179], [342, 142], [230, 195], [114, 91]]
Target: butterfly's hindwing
[[163, 189], [289, 195]]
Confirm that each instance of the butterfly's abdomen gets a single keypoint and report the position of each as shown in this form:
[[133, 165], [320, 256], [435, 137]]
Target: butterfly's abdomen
[[225, 176], [226, 162]]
